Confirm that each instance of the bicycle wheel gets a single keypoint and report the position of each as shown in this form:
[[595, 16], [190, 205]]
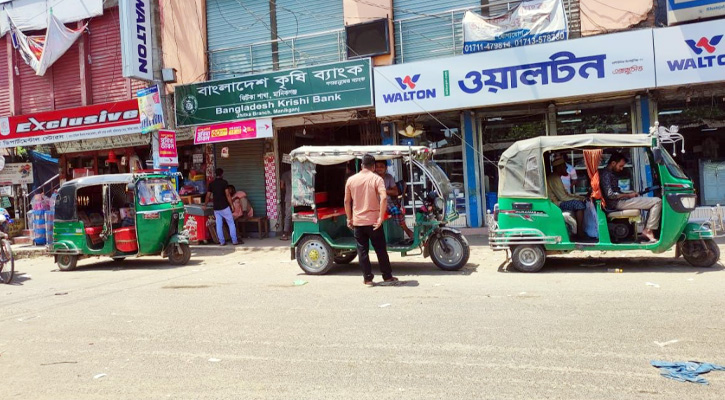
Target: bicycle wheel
[[7, 262]]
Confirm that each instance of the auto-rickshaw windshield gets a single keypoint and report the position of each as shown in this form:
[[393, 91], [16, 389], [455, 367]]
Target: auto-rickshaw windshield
[[672, 166], [156, 191], [439, 177]]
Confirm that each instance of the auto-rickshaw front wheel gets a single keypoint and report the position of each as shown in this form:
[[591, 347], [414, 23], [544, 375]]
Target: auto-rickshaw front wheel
[[700, 253], [66, 262], [449, 251], [528, 257], [179, 254], [314, 255]]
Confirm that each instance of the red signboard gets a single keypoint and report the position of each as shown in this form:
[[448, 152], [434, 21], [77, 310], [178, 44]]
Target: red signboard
[[168, 155], [239, 130], [99, 120]]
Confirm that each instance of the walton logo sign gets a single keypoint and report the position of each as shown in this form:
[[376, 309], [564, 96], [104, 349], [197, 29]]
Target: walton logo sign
[[698, 47], [408, 84]]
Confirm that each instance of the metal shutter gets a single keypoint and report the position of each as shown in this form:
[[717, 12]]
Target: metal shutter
[[321, 25], [4, 81], [67, 79], [424, 29], [232, 26], [106, 70], [245, 170], [35, 90]]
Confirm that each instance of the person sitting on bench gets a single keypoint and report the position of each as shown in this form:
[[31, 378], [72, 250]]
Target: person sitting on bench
[[616, 200]]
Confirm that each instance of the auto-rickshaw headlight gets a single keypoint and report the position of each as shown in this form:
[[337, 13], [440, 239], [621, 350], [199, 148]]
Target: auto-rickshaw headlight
[[688, 202], [440, 204]]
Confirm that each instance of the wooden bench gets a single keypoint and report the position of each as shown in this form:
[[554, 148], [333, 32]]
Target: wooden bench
[[262, 226]]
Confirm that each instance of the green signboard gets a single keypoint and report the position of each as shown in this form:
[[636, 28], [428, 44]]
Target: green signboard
[[328, 87]]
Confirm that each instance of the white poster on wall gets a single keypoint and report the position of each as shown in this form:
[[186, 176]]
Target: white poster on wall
[[16, 174], [689, 10], [693, 53], [136, 43], [599, 64], [31, 15], [530, 22]]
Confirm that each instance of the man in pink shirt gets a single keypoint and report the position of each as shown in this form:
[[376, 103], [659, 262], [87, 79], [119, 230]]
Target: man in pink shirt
[[365, 204]]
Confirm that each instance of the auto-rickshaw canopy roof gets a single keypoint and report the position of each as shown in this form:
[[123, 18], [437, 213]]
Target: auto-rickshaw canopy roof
[[521, 167], [330, 155], [109, 179]]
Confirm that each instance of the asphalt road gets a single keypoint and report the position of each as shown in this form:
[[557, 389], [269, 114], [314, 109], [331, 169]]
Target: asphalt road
[[233, 325]]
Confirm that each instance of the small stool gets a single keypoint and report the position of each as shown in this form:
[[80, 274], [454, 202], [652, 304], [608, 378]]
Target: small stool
[[262, 226]]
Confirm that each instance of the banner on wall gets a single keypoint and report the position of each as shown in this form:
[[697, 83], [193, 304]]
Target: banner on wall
[[531, 22], [693, 53], [136, 43], [41, 51], [16, 174], [689, 10], [30, 15], [168, 154], [598, 64], [239, 130], [149, 107], [319, 88], [98, 120]]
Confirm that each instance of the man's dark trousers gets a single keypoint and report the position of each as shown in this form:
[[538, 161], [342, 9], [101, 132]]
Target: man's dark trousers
[[364, 235]]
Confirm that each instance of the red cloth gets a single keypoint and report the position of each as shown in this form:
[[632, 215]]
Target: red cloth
[[592, 159]]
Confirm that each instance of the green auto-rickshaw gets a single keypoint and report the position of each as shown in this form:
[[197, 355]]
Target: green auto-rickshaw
[[321, 237], [529, 225], [119, 216]]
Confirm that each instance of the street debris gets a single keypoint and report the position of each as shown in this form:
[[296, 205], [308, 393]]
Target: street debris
[[654, 285], [690, 279], [615, 270], [214, 360], [61, 293], [28, 318], [99, 376], [593, 264], [688, 371], [437, 284], [384, 305], [299, 282], [241, 263], [663, 344], [60, 362]]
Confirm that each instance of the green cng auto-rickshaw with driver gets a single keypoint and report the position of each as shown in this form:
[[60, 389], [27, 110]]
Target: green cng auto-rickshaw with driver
[[321, 238], [529, 225], [119, 216]]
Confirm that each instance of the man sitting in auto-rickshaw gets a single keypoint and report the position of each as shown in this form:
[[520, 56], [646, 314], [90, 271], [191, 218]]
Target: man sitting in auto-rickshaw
[[616, 200], [563, 199], [394, 208]]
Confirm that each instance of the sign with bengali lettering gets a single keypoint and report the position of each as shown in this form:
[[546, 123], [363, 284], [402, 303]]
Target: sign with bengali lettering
[[329, 87], [679, 11], [238, 130], [600, 64], [168, 155]]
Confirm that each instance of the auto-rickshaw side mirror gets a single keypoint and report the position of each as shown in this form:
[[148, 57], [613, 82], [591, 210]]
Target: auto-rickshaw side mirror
[[657, 154]]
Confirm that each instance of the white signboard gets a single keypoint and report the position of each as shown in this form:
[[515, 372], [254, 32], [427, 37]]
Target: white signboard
[[693, 53], [136, 43], [599, 64], [16, 174], [688, 10], [531, 22]]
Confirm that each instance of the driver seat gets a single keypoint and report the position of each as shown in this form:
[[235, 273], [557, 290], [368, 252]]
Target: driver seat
[[622, 214]]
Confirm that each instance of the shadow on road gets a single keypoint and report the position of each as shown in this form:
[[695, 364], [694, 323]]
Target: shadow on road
[[406, 268], [19, 278], [130, 264], [556, 265]]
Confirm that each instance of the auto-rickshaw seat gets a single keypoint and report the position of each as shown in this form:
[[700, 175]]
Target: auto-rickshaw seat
[[623, 214]]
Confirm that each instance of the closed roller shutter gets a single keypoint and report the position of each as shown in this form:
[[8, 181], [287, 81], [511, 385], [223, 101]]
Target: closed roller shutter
[[4, 81], [34, 90], [245, 170], [423, 29], [232, 26], [106, 70], [67, 79], [312, 19]]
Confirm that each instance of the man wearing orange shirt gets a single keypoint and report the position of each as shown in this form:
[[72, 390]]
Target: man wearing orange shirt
[[365, 204]]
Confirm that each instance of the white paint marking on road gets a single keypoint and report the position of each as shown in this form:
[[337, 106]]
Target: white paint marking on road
[[663, 344]]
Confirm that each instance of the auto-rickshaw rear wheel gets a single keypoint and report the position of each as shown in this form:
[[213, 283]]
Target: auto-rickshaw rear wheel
[[314, 255], [66, 262], [449, 251], [700, 253], [528, 257], [179, 254], [345, 258]]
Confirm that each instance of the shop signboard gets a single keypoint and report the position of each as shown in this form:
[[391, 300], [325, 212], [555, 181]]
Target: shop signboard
[[105, 143], [693, 53], [319, 88], [599, 64], [168, 155], [238, 130], [136, 43], [16, 174], [689, 10], [530, 22], [71, 124]]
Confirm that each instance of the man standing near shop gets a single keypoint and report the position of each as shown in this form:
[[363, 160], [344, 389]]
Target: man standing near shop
[[365, 204], [222, 197]]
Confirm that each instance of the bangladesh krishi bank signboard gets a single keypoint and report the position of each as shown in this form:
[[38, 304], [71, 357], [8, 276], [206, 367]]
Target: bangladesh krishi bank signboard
[[329, 87], [600, 64]]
